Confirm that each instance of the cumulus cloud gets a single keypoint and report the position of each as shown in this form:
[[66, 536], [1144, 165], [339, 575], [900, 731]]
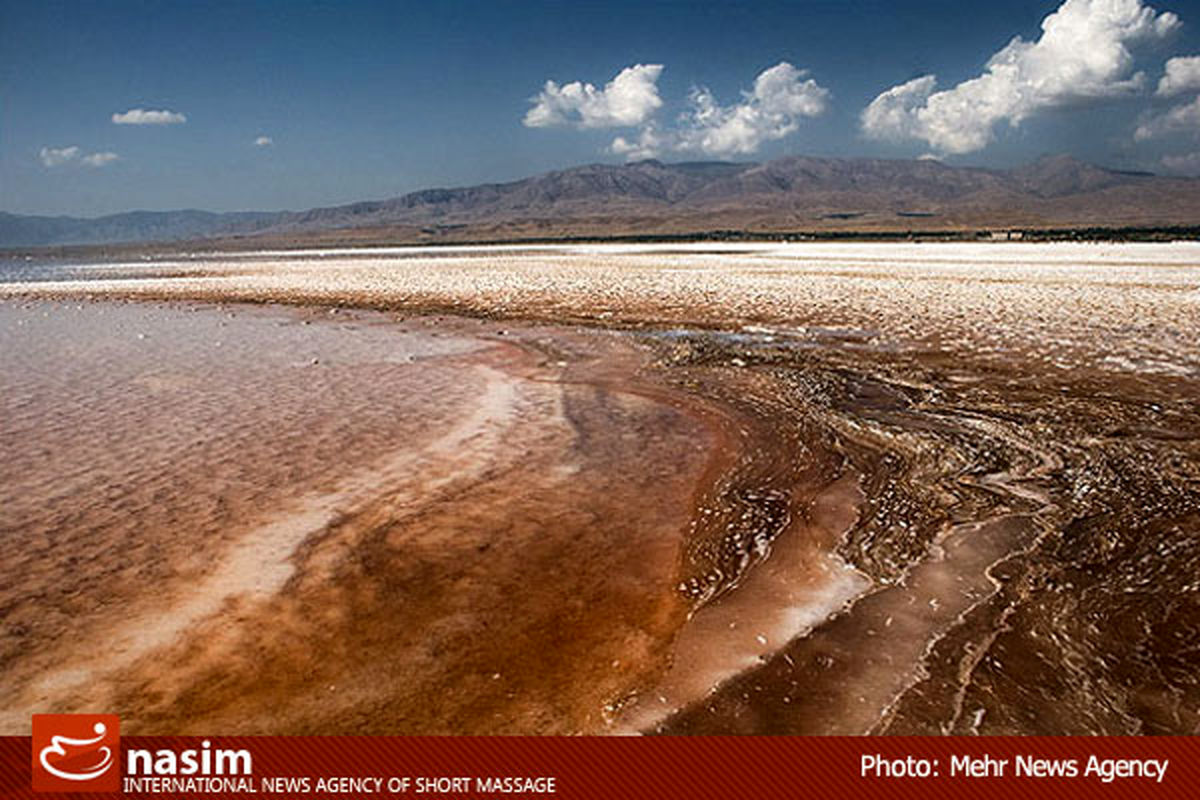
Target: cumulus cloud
[[1182, 75], [1082, 56], [627, 100], [59, 156], [649, 143], [780, 98], [142, 116], [894, 114], [1180, 119], [264, 141]]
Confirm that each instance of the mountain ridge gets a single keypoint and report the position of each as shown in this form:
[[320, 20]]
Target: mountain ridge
[[795, 193]]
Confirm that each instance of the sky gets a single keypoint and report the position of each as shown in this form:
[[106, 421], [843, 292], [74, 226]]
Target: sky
[[114, 106]]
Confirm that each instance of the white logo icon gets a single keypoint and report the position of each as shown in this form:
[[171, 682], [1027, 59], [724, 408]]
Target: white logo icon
[[56, 747]]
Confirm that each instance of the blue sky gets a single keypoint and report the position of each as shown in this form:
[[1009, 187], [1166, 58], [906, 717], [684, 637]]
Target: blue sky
[[368, 100]]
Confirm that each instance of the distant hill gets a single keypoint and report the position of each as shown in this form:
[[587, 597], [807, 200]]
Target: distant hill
[[797, 194], [18, 230]]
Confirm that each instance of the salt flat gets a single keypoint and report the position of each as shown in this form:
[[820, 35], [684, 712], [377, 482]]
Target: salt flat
[[1116, 306]]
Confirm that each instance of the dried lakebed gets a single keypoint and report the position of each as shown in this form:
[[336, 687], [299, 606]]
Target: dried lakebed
[[763, 490]]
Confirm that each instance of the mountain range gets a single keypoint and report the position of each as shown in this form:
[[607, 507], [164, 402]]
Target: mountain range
[[792, 195]]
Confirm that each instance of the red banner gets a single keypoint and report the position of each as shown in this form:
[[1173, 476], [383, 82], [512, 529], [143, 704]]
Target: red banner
[[567, 768]]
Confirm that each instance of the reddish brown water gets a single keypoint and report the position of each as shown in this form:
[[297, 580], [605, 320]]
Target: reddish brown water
[[275, 520]]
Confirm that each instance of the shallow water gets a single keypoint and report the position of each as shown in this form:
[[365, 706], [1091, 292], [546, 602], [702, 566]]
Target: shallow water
[[183, 479]]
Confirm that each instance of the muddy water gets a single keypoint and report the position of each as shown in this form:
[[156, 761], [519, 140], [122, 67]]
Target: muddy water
[[794, 589], [1031, 540], [272, 520]]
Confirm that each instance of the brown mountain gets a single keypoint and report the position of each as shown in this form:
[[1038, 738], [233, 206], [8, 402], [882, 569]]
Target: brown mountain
[[797, 194]]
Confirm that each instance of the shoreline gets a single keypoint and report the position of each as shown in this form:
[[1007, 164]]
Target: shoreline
[[337, 238]]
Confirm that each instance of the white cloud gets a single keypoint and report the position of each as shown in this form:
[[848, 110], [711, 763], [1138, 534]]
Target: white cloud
[[142, 116], [1182, 118], [772, 109], [1188, 164], [648, 144], [627, 100], [1182, 74], [781, 96], [59, 156], [99, 159], [264, 141], [893, 114], [1082, 56]]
